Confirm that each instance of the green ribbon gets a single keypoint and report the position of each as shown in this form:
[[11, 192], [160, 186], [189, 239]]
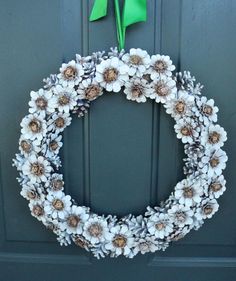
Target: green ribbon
[[133, 11]]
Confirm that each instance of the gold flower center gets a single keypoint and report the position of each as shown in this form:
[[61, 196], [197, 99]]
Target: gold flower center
[[214, 162], [110, 75], [215, 186], [31, 194], [41, 103], [119, 241], [60, 122], [186, 131], [26, 147], [63, 100], [92, 92], [58, 204], [57, 184], [207, 209], [137, 91], [35, 125], [136, 60], [37, 211], [70, 73], [73, 220], [180, 107], [53, 145], [188, 192], [95, 230], [160, 226], [207, 109], [160, 66], [214, 137], [37, 169], [162, 89]]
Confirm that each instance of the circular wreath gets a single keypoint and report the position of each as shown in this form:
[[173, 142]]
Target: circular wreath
[[142, 77]]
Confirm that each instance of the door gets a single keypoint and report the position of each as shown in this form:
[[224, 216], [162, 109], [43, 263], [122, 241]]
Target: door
[[123, 156]]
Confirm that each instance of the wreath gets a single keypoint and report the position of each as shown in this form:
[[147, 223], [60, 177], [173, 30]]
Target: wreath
[[141, 77]]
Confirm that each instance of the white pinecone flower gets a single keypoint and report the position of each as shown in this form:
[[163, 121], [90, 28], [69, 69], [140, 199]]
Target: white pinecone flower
[[215, 187], [137, 89], [180, 106], [146, 245], [64, 99], [57, 205], [159, 225], [58, 122], [70, 74], [40, 102], [32, 192], [160, 67], [33, 127], [89, 89], [36, 168], [205, 110], [111, 74], [121, 241], [187, 130], [213, 137], [52, 145], [181, 215], [163, 89], [96, 230], [138, 61], [213, 162], [207, 209], [55, 183], [188, 192], [27, 146], [37, 210], [75, 220]]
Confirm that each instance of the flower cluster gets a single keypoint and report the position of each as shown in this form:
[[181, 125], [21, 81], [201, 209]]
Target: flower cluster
[[141, 77]]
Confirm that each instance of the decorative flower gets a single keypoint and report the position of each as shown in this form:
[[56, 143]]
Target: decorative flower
[[137, 89], [40, 102], [58, 122], [188, 192], [207, 209], [96, 230], [213, 137], [57, 205], [215, 186], [55, 183], [180, 106], [159, 225], [111, 74], [33, 127], [75, 220], [213, 162], [205, 110], [163, 89], [32, 192], [27, 146], [181, 215], [89, 90], [186, 129], [147, 244], [138, 61], [37, 210], [37, 168], [65, 99], [121, 241], [161, 66], [52, 145], [70, 74]]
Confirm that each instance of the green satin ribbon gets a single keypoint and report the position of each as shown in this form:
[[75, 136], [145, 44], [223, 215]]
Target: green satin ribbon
[[133, 11]]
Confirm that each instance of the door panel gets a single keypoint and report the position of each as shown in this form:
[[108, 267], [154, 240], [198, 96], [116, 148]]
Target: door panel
[[122, 156]]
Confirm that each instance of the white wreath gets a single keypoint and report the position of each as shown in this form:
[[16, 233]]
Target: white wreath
[[83, 80]]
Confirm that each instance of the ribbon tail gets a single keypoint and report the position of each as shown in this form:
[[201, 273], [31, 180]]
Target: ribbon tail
[[134, 11], [99, 10]]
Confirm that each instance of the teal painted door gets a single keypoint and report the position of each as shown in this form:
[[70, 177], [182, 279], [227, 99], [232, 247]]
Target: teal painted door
[[122, 156]]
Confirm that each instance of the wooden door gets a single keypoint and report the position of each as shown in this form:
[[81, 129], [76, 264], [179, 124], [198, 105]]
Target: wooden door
[[122, 156]]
